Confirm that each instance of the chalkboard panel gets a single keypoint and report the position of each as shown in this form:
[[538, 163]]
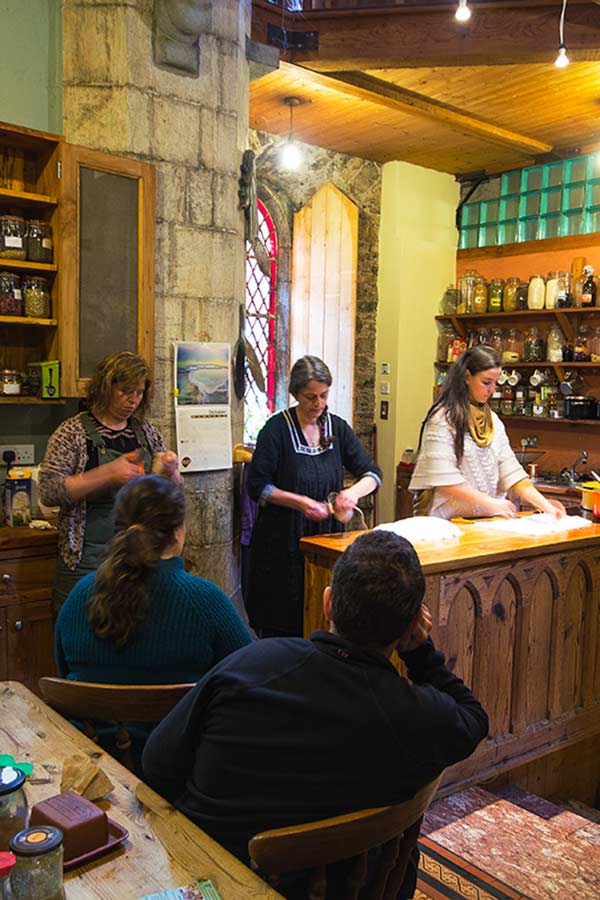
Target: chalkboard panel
[[108, 266]]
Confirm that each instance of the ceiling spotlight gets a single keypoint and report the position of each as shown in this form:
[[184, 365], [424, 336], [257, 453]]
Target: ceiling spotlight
[[562, 59], [290, 154], [463, 13]]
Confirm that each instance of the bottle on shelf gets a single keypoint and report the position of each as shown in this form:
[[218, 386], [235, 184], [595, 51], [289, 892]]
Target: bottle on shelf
[[588, 287], [564, 296], [536, 292]]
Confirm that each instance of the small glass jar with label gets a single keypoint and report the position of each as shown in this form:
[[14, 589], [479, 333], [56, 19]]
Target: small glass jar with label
[[495, 292], [38, 240], [38, 871], [11, 298], [12, 237], [10, 382], [37, 298], [479, 301], [513, 347], [509, 295]]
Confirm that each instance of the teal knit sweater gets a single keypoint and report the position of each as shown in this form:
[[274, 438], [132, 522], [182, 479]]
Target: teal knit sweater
[[190, 626]]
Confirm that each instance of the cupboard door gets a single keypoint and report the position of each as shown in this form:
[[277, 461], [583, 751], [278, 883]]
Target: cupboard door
[[30, 641], [107, 261]]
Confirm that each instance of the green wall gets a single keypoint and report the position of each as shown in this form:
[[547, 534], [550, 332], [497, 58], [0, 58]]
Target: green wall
[[30, 63]]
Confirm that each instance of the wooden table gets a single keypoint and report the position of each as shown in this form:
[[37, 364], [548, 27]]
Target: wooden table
[[164, 849], [518, 619]]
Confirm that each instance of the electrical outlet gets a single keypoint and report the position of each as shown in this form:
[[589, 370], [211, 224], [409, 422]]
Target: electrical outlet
[[24, 453]]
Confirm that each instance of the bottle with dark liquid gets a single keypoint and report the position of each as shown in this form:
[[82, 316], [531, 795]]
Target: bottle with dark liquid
[[588, 288]]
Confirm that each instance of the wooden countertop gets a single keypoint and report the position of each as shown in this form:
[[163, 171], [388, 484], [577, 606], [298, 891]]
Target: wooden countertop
[[164, 849], [16, 538], [476, 547]]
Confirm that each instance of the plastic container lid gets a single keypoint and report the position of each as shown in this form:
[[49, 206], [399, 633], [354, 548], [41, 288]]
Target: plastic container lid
[[36, 841], [7, 861], [11, 779]]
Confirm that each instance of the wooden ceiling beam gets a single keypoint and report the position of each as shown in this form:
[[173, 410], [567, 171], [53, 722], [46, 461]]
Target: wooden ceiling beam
[[498, 34], [383, 93]]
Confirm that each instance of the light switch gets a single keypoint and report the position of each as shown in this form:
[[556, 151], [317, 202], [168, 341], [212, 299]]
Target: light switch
[[383, 409], [384, 387], [385, 368]]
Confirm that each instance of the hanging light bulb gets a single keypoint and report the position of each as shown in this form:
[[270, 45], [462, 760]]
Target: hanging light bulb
[[290, 154], [562, 59], [463, 13]]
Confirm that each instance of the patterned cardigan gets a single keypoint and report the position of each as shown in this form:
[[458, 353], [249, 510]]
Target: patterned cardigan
[[66, 454]]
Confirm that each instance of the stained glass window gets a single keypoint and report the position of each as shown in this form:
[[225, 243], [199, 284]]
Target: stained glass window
[[261, 301]]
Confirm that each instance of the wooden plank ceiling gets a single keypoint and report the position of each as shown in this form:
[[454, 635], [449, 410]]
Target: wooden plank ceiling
[[456, 118]]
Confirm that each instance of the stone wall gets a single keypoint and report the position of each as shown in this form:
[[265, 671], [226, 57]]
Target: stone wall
[[194, 130], [286, 192]]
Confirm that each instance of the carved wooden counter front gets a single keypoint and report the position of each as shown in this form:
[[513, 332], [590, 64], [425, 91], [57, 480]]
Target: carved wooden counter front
[[518, 619]]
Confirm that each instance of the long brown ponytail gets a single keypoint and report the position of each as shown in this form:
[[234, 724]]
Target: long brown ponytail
[[148, 511]]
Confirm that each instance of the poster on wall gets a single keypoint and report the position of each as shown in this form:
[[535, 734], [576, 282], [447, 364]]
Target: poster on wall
[[202, 392]]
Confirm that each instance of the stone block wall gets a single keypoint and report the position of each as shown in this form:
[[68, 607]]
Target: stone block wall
[[194, 131], [286, 192]]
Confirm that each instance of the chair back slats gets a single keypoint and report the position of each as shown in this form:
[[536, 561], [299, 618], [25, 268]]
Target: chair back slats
[[114, 702], [314, 845]]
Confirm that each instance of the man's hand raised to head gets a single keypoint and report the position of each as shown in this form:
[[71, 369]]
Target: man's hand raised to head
[[417, 633]]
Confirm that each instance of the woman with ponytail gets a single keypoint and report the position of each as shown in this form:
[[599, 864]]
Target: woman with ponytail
[[300, 457], [141, 618], [465, 464]]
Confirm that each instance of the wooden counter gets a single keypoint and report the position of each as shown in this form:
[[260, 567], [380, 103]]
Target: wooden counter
[[518, 619]]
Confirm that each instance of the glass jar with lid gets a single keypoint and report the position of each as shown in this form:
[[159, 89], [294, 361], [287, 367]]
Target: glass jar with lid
[[534, 349], [450, 301], [536, 292], [446, 335], [564, 295], [12, 237], [14, 813], [11, 299], [495, 292], [555, 343], [521, 296], [581, 351], [38, 240], [513, 347], [10, 382], [509, 301], [38, 871], [466, 283], [551, 290], [479, 300], [37, 298], [496, 340], [595, 345]]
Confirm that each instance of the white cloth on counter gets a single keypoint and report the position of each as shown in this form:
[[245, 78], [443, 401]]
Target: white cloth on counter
[[492, 470], [420, 529], [535, 525]]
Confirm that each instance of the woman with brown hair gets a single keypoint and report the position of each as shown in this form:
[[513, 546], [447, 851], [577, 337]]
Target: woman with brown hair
[[91, 455], [141, 618]]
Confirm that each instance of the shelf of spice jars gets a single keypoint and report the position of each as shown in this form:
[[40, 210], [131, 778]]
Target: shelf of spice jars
[[516, 364], [28, 320], [548, 419], [39, 401], [26, 199], [22, 265]]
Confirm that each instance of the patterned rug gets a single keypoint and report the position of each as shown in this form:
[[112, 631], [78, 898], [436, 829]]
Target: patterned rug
[[445, 876]]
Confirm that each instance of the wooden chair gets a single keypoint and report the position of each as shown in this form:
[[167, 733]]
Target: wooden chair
[[349, 837], [120, 703]]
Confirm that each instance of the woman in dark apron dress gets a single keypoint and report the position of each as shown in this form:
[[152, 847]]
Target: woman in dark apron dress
[[91, 455]]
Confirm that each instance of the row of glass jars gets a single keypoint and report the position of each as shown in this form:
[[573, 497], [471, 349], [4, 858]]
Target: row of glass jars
[[29, 296], [532, 345], [25, 239], [541, 400], [558, 291]]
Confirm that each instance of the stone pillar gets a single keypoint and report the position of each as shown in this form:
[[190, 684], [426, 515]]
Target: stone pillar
[[194, 130]]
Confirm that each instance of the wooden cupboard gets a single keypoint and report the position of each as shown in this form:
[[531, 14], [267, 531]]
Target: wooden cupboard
[[101, 279], [27, 566]]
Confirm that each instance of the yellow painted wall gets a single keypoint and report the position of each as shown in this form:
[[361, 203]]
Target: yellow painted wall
[[417, 261]]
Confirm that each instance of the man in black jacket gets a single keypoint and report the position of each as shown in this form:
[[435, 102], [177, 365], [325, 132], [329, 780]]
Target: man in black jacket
[[287, 730]]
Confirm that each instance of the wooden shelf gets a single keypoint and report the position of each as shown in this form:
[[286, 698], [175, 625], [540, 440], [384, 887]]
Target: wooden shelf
[[27, 320], [26, 199], [536, 365], [594, 422], [24, 265], [520, 313], [30, 400], [523, 248]]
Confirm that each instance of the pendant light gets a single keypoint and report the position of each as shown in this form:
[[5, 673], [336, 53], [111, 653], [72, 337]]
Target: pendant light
[[463, 13], [562, 59], [290, 154]]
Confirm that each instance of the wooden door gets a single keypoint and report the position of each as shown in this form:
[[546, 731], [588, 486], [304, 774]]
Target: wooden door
[[323, 306], [106, 261], [29, 628]]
